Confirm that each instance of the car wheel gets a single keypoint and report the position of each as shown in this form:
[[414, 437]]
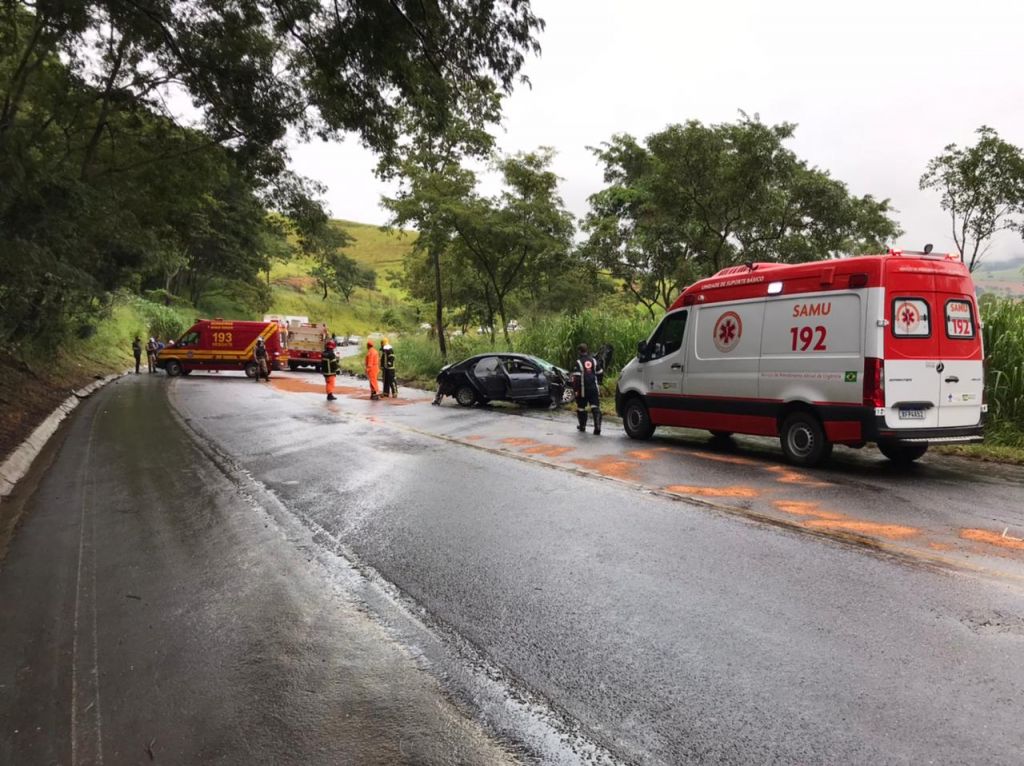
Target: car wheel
[[173, 368], [636, 420], [721, 434], [250, 369], [465, 396], [902, 453], [803, 440]]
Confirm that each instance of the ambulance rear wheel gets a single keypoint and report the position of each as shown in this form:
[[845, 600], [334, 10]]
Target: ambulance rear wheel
[[721, 434], [902, 454], [803, 440], [250, 370], [636, 420], [173, 368]]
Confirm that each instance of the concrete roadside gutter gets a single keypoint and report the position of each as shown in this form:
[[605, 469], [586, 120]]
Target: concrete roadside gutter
[[20, 460]]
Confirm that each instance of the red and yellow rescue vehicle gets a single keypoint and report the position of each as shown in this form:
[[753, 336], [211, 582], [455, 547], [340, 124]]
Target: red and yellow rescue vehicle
[[220, 344]]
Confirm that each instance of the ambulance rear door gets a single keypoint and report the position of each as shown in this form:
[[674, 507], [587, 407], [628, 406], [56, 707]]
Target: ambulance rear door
[[913, 386], [961, 378]]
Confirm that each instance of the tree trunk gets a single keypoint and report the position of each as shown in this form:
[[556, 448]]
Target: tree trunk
[[435, 257]]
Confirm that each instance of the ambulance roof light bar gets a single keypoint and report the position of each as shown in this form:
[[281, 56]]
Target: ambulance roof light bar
[[926, 253]]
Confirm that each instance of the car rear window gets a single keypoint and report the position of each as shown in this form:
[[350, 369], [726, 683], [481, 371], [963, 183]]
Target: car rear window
[[911, 318], [959, 320]]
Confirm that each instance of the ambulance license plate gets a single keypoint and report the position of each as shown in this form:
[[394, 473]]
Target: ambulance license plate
[[911, 414]]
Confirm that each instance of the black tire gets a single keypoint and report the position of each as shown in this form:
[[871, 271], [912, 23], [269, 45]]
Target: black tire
[[465, 396], [186, 372], [250, 369], [173, 368], [902, 453], [636, 420], [720, 434], [803, 440], [292, 366]]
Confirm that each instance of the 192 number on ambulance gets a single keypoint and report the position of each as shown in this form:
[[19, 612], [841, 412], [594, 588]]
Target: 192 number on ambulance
[[809, 338]]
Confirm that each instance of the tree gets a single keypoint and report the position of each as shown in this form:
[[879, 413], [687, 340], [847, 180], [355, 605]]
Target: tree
[[982, 189], [693, 199]]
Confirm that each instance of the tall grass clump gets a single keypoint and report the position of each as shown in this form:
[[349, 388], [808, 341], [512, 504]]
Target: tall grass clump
[[1003, 335], [555, 338]]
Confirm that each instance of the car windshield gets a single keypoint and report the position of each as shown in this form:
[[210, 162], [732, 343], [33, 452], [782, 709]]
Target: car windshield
[[547, 366]]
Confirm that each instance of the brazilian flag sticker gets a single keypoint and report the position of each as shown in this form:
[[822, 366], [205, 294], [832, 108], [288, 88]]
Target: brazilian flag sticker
[[850, 376]]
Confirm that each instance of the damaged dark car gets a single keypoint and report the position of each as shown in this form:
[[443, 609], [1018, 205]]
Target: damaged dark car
[[504, 377]]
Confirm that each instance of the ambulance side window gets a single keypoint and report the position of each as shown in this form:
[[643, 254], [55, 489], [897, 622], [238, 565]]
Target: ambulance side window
[[959, 320], [190, 339], [669, 337], [911, 318]]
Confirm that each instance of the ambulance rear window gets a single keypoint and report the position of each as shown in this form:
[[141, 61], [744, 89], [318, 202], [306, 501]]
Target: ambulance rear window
[[959, 319], [911, 318]]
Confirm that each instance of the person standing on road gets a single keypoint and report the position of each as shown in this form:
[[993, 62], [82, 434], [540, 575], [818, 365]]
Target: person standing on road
[[151, 354], [137, 351], [330, 366], [262, 363], [388, 363], [372, 369], [585, 386]]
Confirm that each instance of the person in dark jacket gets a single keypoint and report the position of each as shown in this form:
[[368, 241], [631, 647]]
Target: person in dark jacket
[[585, 377], [330, 366], [262, 361], [387, 363], [137, 351]]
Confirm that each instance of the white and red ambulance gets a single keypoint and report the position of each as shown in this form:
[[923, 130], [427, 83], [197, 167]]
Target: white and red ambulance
[[880, 348]]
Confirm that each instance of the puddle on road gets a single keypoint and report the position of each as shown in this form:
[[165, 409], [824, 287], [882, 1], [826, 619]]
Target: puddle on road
[[681, 489], [992, 538]]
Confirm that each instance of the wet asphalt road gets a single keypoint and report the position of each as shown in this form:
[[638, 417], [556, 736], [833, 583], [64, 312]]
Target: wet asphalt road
[[154, 608], [667, 632], [211, 604]]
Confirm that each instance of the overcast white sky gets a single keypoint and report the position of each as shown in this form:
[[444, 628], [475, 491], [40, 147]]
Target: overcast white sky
[[876, 88]]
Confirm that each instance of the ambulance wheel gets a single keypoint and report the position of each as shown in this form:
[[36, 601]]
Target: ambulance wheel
[[465, 396], [902, 454], [720, 434], [292, 366], [636, 420], [173, 368], [803, 440], [250, 370]]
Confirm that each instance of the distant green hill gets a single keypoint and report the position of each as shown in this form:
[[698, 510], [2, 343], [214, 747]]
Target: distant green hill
[[296, 293]]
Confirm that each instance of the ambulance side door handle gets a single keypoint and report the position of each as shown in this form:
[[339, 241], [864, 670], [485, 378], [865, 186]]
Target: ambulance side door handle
[[952, 379], [677, 367]]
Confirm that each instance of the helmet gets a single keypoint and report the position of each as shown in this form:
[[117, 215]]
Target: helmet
[[384, 341], [259, 341], [330, 344], [369, 344]]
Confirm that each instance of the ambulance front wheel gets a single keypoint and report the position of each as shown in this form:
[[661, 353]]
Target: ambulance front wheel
[[803, 440], [902, 453], [173, 368], [250, 370], [636, 420]]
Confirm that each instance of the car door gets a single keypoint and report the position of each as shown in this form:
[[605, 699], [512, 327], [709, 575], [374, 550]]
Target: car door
[[526, 380], [663, 363], [490, 377]]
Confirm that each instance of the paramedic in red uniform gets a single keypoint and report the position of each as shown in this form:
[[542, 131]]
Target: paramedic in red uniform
[[330, 366], [585, 385], [372, 368]]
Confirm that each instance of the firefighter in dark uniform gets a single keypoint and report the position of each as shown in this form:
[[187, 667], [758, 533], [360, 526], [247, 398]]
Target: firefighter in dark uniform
[[585, 385], [387, 362], [262, 362], [330, 366]]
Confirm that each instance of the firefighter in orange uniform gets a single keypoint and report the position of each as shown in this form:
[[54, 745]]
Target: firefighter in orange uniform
[[372, 369], [330, 365]]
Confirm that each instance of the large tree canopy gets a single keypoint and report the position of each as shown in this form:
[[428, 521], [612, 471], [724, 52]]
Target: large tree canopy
[[695, 198], [982, 188], [141, 141]]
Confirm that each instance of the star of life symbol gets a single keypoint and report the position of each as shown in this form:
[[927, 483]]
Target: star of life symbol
[[908, 317], [728, 331]]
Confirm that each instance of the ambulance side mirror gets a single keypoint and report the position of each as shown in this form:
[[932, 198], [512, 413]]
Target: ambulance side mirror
[[641, 351]]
